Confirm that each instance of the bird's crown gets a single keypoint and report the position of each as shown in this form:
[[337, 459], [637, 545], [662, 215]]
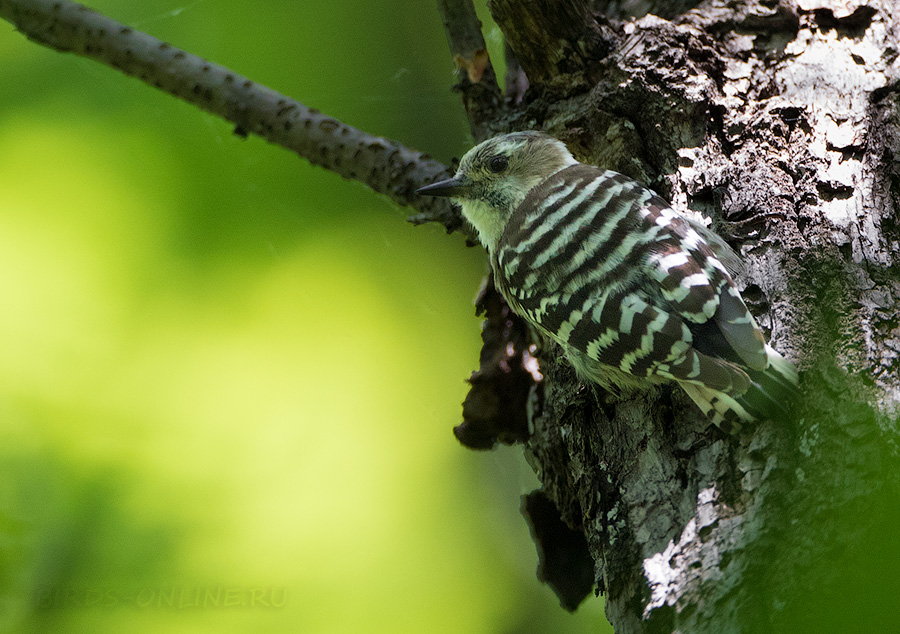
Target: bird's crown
[[518, 161]]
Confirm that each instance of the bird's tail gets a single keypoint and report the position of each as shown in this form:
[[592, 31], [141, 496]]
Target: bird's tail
[[770, 396], [774, 389]]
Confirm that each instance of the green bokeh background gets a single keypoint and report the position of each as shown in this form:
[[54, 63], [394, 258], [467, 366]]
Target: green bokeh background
[[228, 379]]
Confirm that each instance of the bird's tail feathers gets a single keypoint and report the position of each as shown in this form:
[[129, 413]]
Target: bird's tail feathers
[[770, 396], [724, 410], [774, 389]]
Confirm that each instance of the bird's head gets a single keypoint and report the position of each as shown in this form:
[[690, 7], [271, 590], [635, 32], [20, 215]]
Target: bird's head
[[495, 176]]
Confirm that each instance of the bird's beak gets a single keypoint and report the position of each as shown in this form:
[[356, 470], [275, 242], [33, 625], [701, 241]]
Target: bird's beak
[[452, 187]]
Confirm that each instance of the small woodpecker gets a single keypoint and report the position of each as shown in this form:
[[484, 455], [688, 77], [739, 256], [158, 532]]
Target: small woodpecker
[[635, 292]]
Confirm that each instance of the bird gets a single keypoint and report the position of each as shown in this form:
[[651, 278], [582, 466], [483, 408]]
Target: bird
[[635, 292]]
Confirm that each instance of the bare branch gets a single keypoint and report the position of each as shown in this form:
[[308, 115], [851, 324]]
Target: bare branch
[[386, 166], [477, 81]]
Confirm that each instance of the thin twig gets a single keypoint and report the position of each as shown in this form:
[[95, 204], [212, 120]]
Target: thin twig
[[386, 166], [477, 80]]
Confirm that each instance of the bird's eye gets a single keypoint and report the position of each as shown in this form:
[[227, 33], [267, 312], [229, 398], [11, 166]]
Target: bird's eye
[[498, 164]]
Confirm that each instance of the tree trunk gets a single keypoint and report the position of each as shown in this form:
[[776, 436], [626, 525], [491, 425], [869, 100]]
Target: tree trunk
[[782, 122]]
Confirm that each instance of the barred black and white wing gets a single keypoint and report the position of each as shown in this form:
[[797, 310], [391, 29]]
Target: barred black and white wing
[[633, 291]]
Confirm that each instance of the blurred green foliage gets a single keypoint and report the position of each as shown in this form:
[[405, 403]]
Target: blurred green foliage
[[228, 379]]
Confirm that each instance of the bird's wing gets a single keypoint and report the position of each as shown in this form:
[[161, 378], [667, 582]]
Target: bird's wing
[[608, 269], [697, 286], [723, 251]]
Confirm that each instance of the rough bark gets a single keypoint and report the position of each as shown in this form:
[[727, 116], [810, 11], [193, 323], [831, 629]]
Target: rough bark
[[782, 122], [550, 39]]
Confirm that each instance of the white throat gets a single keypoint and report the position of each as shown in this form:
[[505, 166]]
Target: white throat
[[488, 222]]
